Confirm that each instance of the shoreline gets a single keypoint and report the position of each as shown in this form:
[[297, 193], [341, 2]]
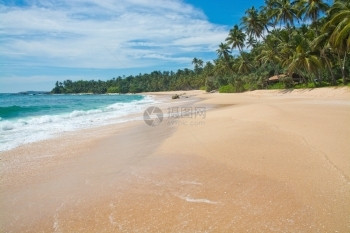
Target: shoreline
[[46, 149], [42, 125], [262, 160]]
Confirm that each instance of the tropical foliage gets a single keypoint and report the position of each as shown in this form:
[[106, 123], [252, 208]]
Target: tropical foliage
[[308, 41], [156, 81]]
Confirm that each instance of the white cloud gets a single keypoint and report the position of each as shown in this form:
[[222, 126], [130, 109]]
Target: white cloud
[[106, 33]]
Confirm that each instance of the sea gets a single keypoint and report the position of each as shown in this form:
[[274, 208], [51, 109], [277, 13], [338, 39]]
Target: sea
[[27, 118]]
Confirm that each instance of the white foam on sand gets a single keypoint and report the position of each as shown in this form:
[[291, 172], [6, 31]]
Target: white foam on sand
[[32, 129], [197, 200], [186, 182]]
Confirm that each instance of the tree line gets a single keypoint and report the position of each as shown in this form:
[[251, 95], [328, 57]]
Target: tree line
[[186, 79], [308, 41]]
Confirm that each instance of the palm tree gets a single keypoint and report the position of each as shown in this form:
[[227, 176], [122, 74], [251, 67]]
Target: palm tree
[[311, 9], [303, 60], [283, 11], [252, 23], [339, 28], [321, 43], [339, 5], [223, 51], [225, 54], [265, 20], [251, 42], [268, 11], [242, 65], [282, 44], [236, 38], [270, 52], [198, 64], [221, 67], [208, 69], [339, 24]]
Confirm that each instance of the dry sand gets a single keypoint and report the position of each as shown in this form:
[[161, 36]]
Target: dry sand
[[261, 161]]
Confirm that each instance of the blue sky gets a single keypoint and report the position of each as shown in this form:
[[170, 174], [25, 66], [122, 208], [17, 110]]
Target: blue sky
[[47, 40]]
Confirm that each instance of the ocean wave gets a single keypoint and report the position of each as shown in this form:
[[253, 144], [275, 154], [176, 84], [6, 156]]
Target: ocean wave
[[15, 132], [6, 125], [15, 110]]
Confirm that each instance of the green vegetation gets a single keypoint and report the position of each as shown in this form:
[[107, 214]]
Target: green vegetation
[[227, 89], [306, 40], [156, 81]]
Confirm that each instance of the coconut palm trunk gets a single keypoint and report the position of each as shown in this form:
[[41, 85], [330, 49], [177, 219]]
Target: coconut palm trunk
[[343, 69], [328, 66]]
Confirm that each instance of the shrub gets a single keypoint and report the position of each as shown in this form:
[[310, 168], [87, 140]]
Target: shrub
[[227, 89], [210, 84], [239, 85], [277, 85], [305, 85], [113, 90]]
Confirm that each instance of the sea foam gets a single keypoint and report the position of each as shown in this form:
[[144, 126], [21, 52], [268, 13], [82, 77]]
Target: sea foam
[[31, 129]]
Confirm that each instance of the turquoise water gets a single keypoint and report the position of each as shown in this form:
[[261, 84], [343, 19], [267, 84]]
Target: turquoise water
[[29, 118], [19, 106]]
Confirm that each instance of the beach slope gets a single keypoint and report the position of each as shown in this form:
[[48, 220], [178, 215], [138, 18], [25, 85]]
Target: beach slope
[[261, 161]]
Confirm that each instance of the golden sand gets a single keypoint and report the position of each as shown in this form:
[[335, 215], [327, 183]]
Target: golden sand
[[261, 161]]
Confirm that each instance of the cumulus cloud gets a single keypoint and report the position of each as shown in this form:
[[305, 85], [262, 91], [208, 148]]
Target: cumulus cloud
[[105, 33]]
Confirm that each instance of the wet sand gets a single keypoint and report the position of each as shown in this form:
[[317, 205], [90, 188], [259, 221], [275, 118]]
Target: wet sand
[[262, 161]]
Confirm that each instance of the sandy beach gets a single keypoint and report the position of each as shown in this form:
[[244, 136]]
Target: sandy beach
[[260, 161]]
